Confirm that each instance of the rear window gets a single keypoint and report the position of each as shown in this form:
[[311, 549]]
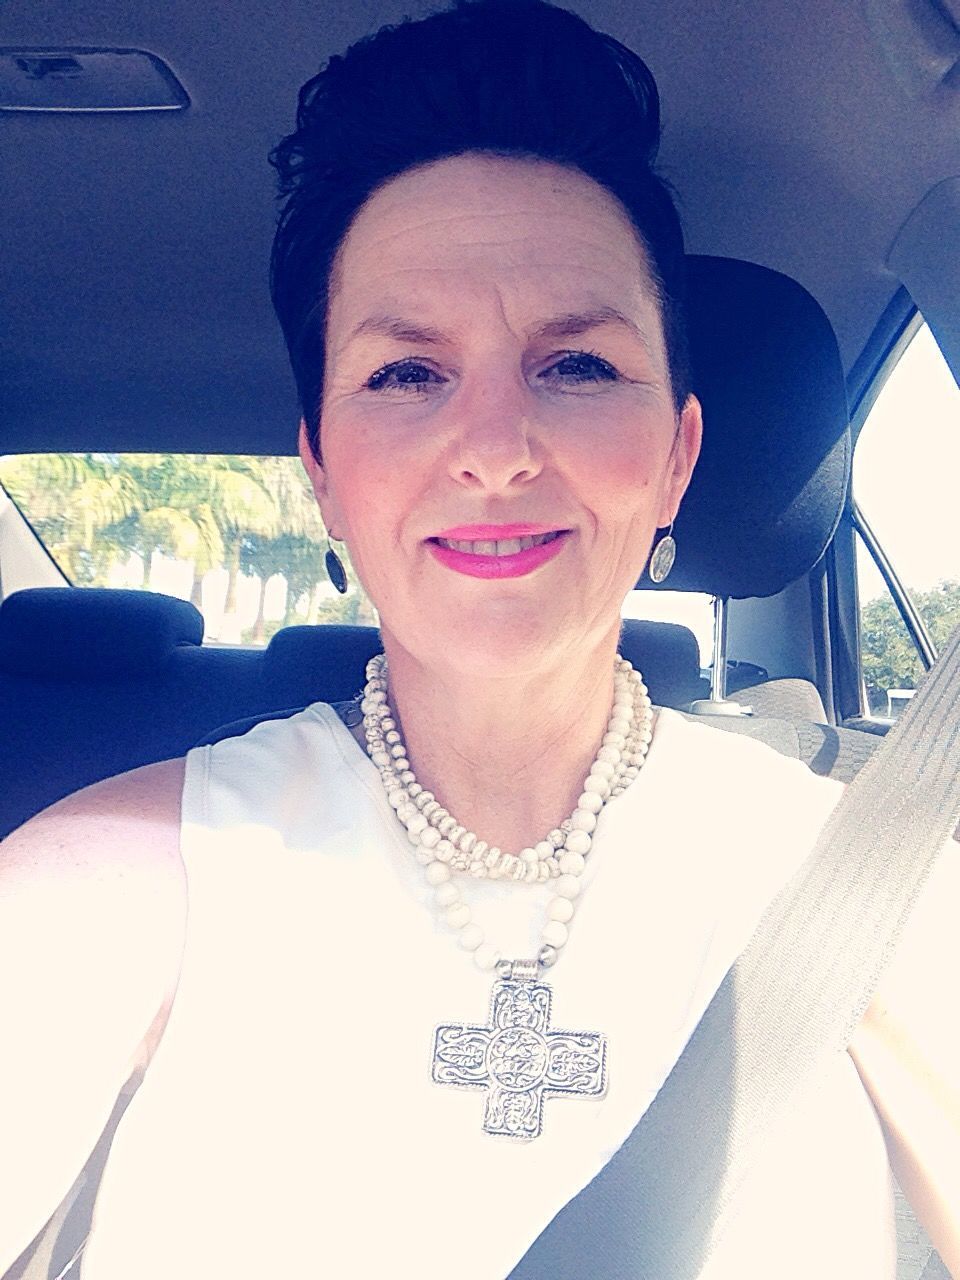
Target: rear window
[[240, 537]]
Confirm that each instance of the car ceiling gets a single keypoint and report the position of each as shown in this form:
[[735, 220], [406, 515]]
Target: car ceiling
[[800, 134]]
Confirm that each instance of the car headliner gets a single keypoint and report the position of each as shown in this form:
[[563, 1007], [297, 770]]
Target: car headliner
[[800, 134]]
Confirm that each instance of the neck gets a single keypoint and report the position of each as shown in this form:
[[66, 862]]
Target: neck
[[507, 756]]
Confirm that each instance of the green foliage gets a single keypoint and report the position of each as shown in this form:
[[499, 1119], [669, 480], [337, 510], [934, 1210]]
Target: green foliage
[[890, 658], [255, 515], [70, 500]]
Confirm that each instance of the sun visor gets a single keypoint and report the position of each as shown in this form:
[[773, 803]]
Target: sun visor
[[770, 484]]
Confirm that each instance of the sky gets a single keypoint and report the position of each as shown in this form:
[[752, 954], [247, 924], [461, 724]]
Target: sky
[[906, 471]]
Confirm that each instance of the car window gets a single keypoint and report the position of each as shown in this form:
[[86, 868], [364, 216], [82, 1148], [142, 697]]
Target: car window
[[905, 470], [241, 537], [693, 609]]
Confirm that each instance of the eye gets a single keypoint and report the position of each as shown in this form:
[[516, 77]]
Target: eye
[[411, 375], [588, 367], [382, 378]]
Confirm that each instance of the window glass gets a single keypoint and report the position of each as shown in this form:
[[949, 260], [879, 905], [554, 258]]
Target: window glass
[[889, 660], [690, 609], [905, 481], [239, 536]]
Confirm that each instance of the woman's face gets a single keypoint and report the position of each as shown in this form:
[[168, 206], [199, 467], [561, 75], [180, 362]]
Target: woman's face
[[489, 424]]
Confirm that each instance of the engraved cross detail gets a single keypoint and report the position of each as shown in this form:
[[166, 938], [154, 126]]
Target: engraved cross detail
[[518, 1060]]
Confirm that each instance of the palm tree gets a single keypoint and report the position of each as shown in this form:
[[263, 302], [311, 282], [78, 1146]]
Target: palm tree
[[174, 514], [73, 500], [243, 503], [264, 557], [294, 550], [258, 515]]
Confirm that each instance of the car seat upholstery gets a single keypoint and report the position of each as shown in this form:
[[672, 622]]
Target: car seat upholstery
[[95, 682], [782, 698]]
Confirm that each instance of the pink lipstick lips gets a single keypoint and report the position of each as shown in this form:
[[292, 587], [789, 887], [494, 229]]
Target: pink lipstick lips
[[484, 561]]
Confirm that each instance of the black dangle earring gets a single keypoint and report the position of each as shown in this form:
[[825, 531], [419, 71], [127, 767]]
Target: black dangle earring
[[664, 554], [335, 570]]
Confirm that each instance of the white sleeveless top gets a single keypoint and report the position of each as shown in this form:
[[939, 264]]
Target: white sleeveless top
[[288, 1125]]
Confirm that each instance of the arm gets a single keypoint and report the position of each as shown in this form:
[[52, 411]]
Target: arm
[[92, 908], [907, 1051]]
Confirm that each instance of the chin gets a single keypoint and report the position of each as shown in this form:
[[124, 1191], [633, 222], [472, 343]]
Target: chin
[[495, 643]]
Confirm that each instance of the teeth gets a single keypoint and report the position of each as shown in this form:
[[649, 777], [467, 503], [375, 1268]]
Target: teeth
[[502, 547]]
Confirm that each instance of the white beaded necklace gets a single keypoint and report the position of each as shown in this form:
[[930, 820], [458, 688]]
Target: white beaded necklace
[[517, 1057], [443, 845]]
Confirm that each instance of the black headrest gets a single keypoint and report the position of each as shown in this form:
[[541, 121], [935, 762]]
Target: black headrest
[[328, 662], [668, 657], [768, 490], [92, 632]]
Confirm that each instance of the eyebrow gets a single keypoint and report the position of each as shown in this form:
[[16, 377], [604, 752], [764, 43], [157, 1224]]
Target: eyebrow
[[568, 325]]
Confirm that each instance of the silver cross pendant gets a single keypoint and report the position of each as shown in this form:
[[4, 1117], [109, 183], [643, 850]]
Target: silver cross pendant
[[518, 1059]]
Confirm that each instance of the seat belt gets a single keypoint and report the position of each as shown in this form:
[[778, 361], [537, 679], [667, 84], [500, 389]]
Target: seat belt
[[659, 1208]]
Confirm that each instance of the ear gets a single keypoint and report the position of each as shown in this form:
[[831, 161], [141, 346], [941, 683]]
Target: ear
[[317, 475], [683, 458]]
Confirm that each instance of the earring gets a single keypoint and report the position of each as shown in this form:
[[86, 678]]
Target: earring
[[663, 556], [335, 570]]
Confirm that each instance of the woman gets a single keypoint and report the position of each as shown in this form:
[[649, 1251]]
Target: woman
[[479, 278]]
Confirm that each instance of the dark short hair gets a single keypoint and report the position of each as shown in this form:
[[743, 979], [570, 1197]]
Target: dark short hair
[[511, 78]]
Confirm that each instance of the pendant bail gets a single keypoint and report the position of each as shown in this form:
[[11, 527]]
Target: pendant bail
[[524, 970]]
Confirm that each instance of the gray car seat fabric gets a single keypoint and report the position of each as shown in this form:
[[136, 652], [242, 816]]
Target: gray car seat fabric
[[916, 1257], [829, 751], [783, 698]]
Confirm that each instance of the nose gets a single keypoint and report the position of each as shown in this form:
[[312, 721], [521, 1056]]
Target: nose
[[495, 444]]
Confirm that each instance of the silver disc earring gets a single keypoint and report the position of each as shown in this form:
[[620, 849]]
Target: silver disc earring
[[664, 554], [335, 570]]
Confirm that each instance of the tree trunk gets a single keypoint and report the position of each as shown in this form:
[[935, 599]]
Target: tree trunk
[[259, 627], [366, 614], [290, 609], [314, 607], [196, 591], [233, 574]]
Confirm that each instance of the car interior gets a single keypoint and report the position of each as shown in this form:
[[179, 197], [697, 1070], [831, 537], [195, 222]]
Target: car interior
[[815, 150]]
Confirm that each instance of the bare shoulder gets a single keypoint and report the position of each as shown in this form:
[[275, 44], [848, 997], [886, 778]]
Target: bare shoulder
[[96, 883], [148, 798], [99, 857], [92, 918]]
